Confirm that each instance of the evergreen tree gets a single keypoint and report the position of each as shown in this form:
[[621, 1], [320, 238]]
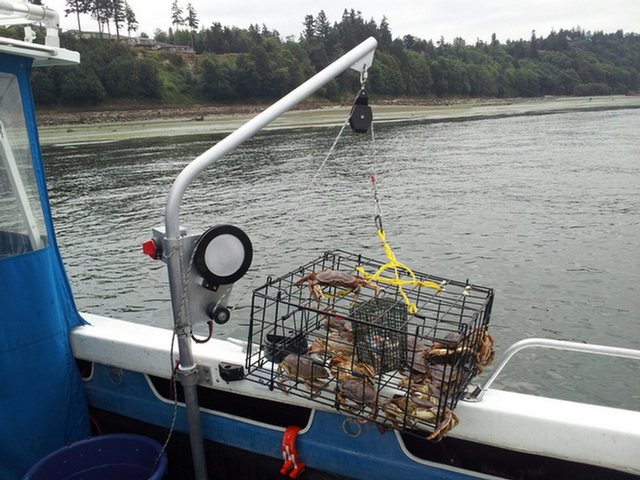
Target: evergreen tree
[[101, 11], [534, 45], [384, 32], [309, 27], [176, 15], [130, 18], [322, 26], [77, 7], [192, 23], [119, 15]]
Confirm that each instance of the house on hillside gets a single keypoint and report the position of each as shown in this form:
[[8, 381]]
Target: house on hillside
[[146, 43], [175, 48], [85, 34]]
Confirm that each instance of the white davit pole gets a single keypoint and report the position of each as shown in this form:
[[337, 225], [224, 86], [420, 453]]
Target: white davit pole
[[360, 58], [356, 58]]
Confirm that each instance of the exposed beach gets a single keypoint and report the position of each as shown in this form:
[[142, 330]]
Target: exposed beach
[[83, 127]]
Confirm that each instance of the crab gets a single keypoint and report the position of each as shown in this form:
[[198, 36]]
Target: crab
[[486, 353], [344, 365], [446, 354], [478, 342], [306, 370], [449, 421], [335, 278], [416, 351], [331, 346], [354, 394], [340, 326], [356, 387], [416, 407], [442, 376]]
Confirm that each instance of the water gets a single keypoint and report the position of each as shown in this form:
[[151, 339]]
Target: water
[[546, 210]]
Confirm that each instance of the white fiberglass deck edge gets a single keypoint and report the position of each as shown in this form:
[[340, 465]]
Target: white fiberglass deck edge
[[590, 434]]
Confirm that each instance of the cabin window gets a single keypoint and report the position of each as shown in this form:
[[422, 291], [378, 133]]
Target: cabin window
[[22, 225]]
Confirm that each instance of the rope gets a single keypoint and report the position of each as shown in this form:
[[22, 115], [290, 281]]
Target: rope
[[397, 281], [341, 293], [293, 214], [173, 382], [393, 262]]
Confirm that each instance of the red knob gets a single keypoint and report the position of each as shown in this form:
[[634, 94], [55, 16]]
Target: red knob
[[149, 248]]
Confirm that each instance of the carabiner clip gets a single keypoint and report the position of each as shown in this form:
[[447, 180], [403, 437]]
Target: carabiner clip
[[378, 220]]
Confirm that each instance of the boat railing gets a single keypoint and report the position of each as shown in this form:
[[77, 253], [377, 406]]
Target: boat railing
[[477, 394]]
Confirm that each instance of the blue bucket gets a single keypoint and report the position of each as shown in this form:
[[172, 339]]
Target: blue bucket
[[119, 456]]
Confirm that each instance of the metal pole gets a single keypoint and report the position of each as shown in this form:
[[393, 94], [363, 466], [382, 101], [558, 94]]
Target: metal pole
[[359, 58], [21, 13]]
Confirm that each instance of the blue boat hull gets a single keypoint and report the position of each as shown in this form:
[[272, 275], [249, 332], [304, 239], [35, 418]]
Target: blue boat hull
[[322, 444]]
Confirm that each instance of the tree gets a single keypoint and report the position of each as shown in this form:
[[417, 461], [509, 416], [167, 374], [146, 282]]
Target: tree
[[149, 82], [101, 11], [160, 36], [176, 15], [81, 86], [439, 76], [130, 18], [192, 23], [77, 7], [385, 33], [44, 89], [322, 26], [246, 78], [309, 27], [418, 74], [385, 75], [534, 45], [217, 81], [119, 15]]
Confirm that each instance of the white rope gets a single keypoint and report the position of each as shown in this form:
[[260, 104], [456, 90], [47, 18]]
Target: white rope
[[293, 214]]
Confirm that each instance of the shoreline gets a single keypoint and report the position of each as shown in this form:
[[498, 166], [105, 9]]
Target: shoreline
[[104, 126]]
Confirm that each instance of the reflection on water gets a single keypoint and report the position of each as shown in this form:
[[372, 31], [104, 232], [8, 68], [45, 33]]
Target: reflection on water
[[546, 210]]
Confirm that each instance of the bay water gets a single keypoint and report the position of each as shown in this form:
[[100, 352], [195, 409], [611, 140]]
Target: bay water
[[544, 209]]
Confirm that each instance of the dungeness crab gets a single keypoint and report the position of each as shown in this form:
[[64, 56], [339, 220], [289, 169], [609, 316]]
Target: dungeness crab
[[415, 407], [300, 368], [335, 278]]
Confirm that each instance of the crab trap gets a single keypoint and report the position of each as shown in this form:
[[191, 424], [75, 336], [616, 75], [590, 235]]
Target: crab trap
[[399, 351]]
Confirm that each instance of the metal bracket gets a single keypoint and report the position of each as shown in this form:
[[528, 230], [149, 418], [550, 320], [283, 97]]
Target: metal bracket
[[196, 375], [204, 376]]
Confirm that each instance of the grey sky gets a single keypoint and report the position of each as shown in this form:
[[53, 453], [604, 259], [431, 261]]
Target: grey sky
[[428, 19]]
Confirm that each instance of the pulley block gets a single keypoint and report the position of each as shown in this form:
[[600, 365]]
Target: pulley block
[[361, 115]]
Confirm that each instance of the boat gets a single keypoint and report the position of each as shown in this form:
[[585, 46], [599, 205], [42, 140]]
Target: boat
[[352, 368]]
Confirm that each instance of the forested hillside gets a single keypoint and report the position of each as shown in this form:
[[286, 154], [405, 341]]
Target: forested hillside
[[246, 65]]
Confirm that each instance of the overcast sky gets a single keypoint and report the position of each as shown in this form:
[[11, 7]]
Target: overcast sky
[[428, 19]]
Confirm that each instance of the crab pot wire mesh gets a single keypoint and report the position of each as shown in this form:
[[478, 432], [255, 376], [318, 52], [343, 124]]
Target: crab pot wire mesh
[[365, 354], [379, 327]]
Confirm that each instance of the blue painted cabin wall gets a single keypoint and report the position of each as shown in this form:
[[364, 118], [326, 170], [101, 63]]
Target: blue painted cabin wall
[[42, 402]]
